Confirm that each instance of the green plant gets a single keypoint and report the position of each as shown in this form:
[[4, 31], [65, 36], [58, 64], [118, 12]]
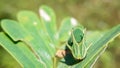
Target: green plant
[[34, 42]]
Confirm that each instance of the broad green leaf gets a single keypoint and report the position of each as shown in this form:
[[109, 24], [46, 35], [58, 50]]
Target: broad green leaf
[[48, 18], [10, 27], [36, 29], [20, 52], [30, 17], [32, 39], [92, 62], [92, 36]]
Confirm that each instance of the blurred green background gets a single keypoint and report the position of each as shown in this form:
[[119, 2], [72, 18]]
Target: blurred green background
[[93, 14]]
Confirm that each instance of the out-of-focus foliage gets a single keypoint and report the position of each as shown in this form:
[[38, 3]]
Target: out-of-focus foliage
[[94, 14]]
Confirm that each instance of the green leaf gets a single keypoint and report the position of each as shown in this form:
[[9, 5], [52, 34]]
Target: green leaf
[[20, 52], [10, 27], [28, 35], [36, 29], [48, 19], [92, 62], [30, 17]]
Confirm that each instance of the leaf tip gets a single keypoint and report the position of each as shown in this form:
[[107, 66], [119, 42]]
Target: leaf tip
[[44, 14], [74, 22]]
